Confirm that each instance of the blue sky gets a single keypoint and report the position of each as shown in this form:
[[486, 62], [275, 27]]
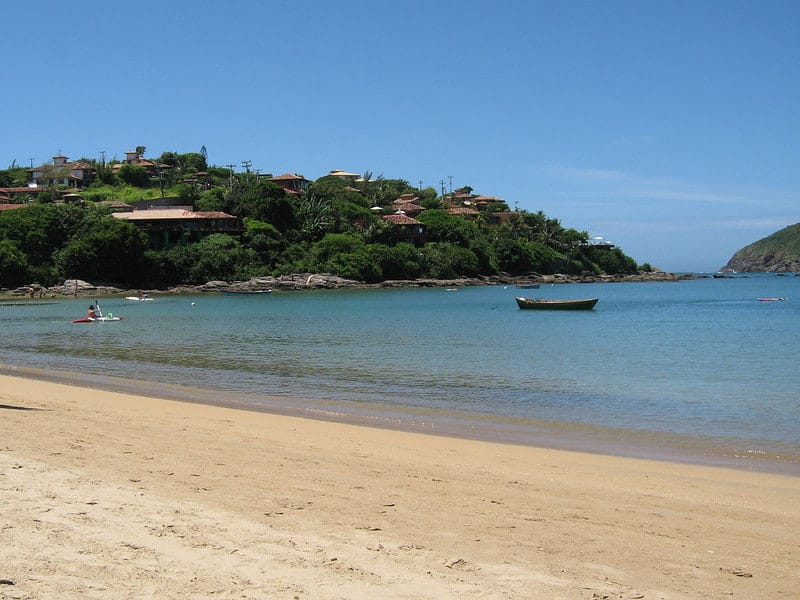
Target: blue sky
[[669, 128]]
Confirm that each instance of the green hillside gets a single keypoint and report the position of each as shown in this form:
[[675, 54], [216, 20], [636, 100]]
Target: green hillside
[[779, 252], [247, 225]]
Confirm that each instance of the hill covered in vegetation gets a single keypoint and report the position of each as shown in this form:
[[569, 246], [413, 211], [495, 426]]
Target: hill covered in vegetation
[[779, 252], [350, 227]]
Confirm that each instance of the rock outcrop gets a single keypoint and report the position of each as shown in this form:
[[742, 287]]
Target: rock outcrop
[[779, 252]]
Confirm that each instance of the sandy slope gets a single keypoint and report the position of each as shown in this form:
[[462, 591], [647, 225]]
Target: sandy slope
[[107, 495]]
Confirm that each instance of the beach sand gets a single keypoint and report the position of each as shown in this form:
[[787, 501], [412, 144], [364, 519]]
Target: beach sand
[[107, 495]]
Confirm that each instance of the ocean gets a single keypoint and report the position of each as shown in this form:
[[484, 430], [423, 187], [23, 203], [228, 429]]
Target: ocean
[[696, 370]]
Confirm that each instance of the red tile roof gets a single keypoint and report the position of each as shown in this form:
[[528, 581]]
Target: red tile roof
[[399, 219], [462, 210], [20, 190], [289, 177], [409, 208], [169, 214]]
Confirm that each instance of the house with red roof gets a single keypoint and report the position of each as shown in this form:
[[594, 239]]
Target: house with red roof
[[291, 182], [62, 173], [169, 226], [410, 230], [345, 175], [463, 211], [132, 157]]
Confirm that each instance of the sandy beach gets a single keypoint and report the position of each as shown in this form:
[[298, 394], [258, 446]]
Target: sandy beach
[[108, 495]]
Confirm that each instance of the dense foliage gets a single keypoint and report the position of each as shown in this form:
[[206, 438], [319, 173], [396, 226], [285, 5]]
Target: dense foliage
[[335, 227]]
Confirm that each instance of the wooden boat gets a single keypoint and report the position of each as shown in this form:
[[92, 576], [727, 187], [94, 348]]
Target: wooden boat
[[542, 304]]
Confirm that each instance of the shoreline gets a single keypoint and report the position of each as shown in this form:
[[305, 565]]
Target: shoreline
[[176, 499], [747, 455], [74, 288]]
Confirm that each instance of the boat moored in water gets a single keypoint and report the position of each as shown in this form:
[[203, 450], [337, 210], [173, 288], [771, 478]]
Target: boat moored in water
[[544, 304]]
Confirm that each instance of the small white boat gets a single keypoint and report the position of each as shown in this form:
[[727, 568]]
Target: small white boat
[[139, 298]]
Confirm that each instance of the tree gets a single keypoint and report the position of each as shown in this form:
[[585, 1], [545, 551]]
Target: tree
[[213, 199], [402, 261], [134, 175], [315, 217], [264, 201], [443, 227], [447, 261], [192, 162], [215, 257], [104, 174], [264, 239], [14, 265], [41, 229], [187, 193], [513, 256], [168, 158], [361, 265], [334, 244], [13, 177], [107, 249]]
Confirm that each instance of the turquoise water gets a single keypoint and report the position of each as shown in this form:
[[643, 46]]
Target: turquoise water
[[696, 366]]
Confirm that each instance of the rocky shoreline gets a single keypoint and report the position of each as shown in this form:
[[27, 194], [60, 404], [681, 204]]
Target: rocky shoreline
[[323, 281]]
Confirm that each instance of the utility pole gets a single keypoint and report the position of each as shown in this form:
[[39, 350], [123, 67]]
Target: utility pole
[[103, 156], [230, 178], [451, 184], [441, 183], [31, 159], [420, 185]]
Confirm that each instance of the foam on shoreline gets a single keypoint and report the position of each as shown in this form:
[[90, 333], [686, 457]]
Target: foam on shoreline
[[560, 435]]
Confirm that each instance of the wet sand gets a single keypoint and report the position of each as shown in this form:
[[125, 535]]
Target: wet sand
[[114, 495]]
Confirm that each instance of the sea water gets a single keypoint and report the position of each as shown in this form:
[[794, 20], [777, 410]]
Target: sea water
[[676, 368]]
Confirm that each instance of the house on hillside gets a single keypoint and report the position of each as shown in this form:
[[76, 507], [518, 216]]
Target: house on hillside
[[291, 182], [132, 157], [62, 173], [463, 211], [500, 218], [408, 208], [482, 202], [410, 230], [167, 227], [345, 175]]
